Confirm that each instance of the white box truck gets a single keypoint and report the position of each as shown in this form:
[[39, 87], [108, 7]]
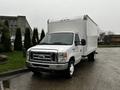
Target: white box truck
[[66, 43]]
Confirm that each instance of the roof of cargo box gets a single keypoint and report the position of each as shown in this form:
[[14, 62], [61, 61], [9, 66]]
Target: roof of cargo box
[[84, 17], [64, 19]]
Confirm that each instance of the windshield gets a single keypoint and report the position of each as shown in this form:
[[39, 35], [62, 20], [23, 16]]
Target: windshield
[[58, 39]]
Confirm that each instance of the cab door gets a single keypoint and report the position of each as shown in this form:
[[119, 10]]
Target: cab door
[[78, 48]]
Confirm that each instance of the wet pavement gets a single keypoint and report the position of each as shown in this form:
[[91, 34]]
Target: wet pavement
[[103, 74]]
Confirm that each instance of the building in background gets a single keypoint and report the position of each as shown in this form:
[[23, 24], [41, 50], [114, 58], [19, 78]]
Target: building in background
[[115, 39], [109, 39], [16, 22]]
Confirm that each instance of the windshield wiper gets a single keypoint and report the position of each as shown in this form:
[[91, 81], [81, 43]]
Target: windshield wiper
[[54, 43], [59, 43], [44, 43]]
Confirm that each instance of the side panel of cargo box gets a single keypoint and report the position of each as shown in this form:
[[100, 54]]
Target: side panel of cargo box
[[91, 36]]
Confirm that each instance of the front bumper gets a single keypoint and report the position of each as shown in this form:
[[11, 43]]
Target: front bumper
[[47, 66]]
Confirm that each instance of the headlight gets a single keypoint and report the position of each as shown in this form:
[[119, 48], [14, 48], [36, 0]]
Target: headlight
[[62, 57], [28, 55]]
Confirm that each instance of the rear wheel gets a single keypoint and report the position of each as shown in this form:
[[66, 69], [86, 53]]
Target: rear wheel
[[70, 71], [91, 57]]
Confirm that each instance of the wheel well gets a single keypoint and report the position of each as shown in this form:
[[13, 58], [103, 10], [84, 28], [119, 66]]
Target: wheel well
[[91, 53], [72, 59]]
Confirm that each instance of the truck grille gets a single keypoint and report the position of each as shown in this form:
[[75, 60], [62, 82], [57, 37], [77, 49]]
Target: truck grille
[[43, 56]]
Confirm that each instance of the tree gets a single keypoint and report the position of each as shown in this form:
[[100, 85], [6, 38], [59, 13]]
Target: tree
[[18, 40], [42, 35], [101, 38], [2, 36], [35, 38], [107, 39], [6, 23], [5, 38], [27, 40], [110, 33], [1, 27]]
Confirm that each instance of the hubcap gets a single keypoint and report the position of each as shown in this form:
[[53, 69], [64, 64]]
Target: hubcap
[[71, 69]]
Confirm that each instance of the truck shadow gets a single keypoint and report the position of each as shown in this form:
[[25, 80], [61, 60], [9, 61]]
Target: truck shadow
[[83, 72]]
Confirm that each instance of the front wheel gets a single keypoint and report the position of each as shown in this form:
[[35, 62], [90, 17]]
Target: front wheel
[[36, 73], [70, 71]]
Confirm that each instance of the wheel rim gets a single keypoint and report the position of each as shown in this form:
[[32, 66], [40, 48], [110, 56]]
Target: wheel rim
[[71, 69]]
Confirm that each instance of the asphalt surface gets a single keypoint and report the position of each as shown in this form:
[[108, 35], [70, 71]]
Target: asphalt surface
[[103, 74]]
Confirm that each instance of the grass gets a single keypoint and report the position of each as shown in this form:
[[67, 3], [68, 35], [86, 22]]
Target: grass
[[15, 61]]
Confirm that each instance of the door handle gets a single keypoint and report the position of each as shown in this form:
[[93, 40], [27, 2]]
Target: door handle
[[73, 49], [80, 50]]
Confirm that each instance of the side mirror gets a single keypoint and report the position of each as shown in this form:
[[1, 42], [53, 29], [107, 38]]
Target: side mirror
[[83, 42]]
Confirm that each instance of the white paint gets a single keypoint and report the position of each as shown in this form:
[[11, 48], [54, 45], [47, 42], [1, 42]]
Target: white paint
[[87, 29]]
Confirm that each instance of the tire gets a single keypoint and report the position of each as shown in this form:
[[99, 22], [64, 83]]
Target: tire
[[36, 73], [70, 71], [91, 57]]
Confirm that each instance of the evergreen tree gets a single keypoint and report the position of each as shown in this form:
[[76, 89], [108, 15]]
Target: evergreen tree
[[27, 40], [42, 35], [36, 34], [1, 27], [5, 38], [6, 23], [35, 38], [2, 37], [18, 40]]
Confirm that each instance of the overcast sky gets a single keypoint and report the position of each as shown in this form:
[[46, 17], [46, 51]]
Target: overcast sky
[[106, 13]]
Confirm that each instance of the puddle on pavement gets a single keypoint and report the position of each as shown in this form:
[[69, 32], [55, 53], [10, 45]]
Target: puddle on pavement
[[5, 85]]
